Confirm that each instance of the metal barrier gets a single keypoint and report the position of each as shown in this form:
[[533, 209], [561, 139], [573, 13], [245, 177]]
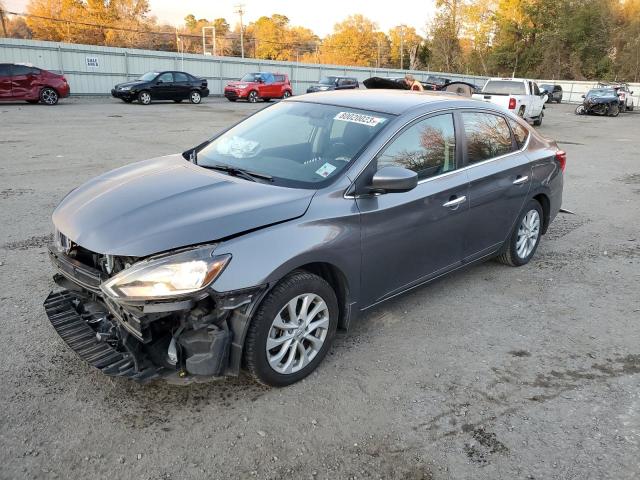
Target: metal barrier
[[93, 70]]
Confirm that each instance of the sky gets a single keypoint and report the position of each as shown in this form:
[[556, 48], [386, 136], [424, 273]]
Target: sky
[[319, 16]]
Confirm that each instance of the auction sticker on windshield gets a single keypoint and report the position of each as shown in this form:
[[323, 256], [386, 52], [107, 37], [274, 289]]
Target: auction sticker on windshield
[[359, 118], [325, 170]]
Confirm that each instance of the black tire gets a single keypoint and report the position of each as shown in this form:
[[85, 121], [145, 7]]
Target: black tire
[[538, 121], [252, 97], [195, 97], [614, 111], [48, 96], [631, 108], [521, 111], [559, 101], [144, 97], [296, 283], [178, 100], [581, 110], [509, 254], [286, 94]]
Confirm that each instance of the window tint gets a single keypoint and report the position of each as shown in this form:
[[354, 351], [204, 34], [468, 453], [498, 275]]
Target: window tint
[[4, 70], [22, 70], [180, 77], [279, 78], [519, 132], [488, 136], [427, 147], [506, 87], [536, 90], [166, 77]]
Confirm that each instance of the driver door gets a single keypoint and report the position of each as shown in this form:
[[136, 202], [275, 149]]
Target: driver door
[[410, 237], [162, 87]]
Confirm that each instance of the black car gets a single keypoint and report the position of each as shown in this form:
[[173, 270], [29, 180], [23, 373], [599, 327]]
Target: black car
[[176, 86], [600, 101], [554, 92], [334, 83]]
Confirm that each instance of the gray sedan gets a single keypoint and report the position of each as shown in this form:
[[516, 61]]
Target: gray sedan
[[253, 248]]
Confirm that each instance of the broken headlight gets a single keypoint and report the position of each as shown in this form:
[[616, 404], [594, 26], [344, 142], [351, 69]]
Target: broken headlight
[[167, 277]]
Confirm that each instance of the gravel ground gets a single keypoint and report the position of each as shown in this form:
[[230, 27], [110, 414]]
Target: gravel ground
[[490, 373]]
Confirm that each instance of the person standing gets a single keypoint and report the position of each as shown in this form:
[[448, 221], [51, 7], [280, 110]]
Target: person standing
[[413, 84]]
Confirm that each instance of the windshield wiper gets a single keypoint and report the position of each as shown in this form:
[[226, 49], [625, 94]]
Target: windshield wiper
[[239, 172]]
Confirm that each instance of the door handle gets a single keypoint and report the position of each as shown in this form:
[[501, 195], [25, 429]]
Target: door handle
[[521, 180], [455, 202]]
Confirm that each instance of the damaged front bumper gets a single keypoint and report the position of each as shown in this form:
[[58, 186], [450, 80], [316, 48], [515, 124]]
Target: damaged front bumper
[[182, 341]]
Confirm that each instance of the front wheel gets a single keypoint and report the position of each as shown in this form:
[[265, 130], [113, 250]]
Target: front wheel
[[195, 97], [614, 110], [253, 96], [49, 96], [144, 98], [292, 330], [580, 110], [524, 239]]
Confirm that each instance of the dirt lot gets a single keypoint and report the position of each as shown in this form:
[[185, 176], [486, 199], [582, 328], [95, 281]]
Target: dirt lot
[[491, 373]]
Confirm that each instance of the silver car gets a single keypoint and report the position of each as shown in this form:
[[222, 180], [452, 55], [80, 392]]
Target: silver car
[[253, 248]]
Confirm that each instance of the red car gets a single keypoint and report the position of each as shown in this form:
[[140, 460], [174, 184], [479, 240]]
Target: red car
[[260, 85], [23, 82]]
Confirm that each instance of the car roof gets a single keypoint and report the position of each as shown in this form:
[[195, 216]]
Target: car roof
[[394, 102]]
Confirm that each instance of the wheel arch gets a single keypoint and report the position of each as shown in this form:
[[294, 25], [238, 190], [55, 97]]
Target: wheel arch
[[545, 203]]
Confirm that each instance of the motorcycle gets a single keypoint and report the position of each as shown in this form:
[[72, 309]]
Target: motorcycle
[[599, 101]]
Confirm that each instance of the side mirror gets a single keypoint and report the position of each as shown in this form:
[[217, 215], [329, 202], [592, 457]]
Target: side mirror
[[261, 80], [394, 179]]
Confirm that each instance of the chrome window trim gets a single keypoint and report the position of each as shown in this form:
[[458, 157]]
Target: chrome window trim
[[444, 174]]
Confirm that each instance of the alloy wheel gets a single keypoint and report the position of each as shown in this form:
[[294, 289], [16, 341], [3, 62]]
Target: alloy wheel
[[287, 94], [253, 97], [145, 98], [297, 333], [49, 96], [528, 234], [195, 97]]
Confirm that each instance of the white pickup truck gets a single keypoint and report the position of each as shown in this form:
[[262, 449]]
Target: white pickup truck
[[520, 95]]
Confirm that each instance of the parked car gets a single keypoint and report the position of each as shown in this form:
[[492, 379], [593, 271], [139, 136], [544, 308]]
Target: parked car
[[600, 101], [334, 83], [520, 95], [170, 85], [252, 248], [554, 92], [625, 95], [433, 82], [260, 85], [32, 84]]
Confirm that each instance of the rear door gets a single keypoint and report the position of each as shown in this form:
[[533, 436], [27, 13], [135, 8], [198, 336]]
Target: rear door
[[5, 81], [278, 85], [181, 85], [499, 179], [412, 236], [24, 82]]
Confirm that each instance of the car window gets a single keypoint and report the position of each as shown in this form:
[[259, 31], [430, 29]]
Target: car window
[[488, 136], [536, 90], [504, 87], [4, 70], [166, 77], [21, 70], [180, 77], [428, 147], [519, 132], [268, 78], [290, 142], [279, 78]]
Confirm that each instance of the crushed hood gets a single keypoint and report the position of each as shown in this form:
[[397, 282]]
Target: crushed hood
[[167, 203]]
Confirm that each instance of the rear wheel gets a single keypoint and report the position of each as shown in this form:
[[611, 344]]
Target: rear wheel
[[292, 330], [614, 110], [49, 96], [523, 241], [521, 112], [144, 98], [286, 94], [253, 96], [538, 121], [631, 107], [195, 97]]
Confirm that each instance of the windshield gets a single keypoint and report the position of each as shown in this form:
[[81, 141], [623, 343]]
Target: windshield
[[298, 144], [605, 92], [250, 77], [327, 81], [148, 76], [504, 87]]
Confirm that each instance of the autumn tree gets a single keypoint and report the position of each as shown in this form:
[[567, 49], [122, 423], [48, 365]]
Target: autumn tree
[[353, 42], [405, 39], [445, 36]]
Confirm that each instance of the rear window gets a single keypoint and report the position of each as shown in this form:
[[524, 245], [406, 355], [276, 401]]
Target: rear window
[[488, 136], [504, 87], [327, 81], [23, 70], [279, 78], [4, 70], [180, 77], [519, 132]]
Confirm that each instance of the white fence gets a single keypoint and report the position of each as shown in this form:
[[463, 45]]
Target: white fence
[[93, 70]]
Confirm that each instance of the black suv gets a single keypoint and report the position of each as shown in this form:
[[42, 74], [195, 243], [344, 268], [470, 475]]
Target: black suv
[[176, 86], [334, 83], [554, 92]]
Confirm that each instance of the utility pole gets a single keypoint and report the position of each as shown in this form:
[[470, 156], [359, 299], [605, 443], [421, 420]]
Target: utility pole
[[4, 25], [240, 11], [401, 47]]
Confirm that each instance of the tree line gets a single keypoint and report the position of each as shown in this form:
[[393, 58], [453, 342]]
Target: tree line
[[568, 39]]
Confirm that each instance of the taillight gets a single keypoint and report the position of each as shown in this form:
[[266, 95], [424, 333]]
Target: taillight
[[512, 104], [561, 158]]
